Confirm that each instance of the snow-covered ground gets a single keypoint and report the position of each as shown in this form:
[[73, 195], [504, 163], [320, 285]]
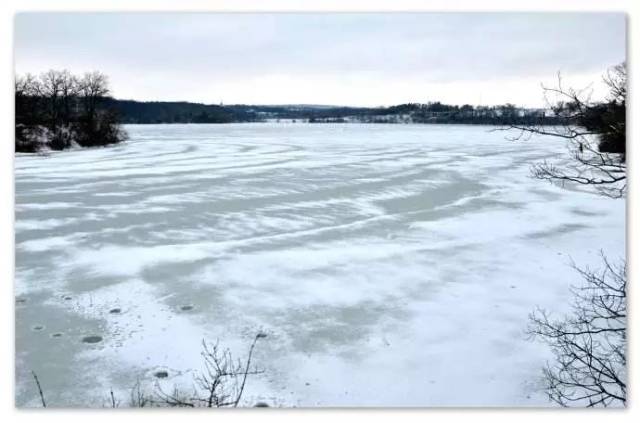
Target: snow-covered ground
[[389, 265]]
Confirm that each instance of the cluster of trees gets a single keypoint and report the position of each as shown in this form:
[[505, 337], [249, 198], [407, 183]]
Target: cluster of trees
[[56, 110], [131, 111], [606, 120], [595, 132]]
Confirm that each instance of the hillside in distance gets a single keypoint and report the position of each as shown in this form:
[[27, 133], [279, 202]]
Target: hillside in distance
[[143, 112]]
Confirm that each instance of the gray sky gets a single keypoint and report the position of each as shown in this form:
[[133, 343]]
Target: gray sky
[[351, 59]]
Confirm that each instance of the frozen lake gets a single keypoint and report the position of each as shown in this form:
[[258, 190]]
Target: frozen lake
[[388, 264]]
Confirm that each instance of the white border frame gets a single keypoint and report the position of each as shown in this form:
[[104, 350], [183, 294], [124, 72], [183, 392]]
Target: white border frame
[[11, 7]]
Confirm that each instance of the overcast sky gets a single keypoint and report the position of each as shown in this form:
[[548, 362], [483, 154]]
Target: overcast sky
[[347, 59]]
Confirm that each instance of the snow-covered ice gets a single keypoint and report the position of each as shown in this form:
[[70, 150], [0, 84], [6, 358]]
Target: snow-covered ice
[[389, 265]]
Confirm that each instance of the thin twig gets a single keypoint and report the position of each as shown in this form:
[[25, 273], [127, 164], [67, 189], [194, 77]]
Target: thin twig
[[246, 370], [113, 399], [44, 404]]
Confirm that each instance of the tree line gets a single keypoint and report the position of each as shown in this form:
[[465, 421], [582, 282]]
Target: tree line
[[150, 112], [131, 111], [57, 110]]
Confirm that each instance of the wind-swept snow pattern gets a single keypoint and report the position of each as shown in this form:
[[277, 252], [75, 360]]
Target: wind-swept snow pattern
[[388, 265]]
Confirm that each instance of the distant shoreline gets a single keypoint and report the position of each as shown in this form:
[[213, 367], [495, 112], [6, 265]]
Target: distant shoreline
[[325, 123], [156, 112]]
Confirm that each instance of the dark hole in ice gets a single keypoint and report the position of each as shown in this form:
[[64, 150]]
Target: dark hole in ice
[[93, 339], [115, 311], [186, 307], [67, 298], [56, 335], [38, 327], [261, 405], [161, 374], [20, 301]]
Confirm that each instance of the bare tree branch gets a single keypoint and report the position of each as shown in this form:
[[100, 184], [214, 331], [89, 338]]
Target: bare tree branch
[[595, 132], [589, 345]]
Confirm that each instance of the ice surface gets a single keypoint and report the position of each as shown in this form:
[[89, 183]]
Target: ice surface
[[389, 265]]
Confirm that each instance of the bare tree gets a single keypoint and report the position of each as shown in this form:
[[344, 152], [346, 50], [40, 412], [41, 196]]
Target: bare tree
[[138, 398], [69, 91], [93, 87], [595, 131], [28, 112], [220, 384], [51, 89], [27, 86], [589, 345]]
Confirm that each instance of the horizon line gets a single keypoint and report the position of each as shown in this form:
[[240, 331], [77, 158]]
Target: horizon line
[[353, 106]]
